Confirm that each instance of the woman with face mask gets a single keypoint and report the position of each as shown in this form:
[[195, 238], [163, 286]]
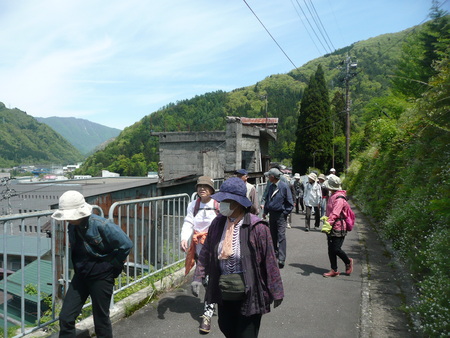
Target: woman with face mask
[[238, 256]]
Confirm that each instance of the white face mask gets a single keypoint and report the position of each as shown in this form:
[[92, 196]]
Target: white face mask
[[225, 209]]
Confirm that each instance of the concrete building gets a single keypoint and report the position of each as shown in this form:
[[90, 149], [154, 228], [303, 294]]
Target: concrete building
[[244, 144]]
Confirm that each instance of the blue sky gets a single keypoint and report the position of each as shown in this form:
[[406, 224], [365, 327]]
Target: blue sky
[[113, 62]]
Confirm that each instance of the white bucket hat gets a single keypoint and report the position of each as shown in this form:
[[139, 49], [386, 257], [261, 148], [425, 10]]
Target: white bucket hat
[[72, 206], [297, 176]]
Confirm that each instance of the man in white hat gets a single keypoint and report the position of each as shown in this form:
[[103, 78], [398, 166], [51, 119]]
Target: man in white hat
[[99, 248], [312, 199]]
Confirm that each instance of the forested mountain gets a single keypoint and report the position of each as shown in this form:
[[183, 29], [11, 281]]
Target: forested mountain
[[84, 135], [135, 152], [23, 140]]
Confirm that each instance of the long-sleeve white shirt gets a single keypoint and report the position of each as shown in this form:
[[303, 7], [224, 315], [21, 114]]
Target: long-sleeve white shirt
[[200, 222], [313, 194]]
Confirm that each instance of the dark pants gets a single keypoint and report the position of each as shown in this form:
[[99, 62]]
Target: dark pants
[[334, 250], [299, 202], [79, 290], [233, 324], [316, 217], [277, 223]]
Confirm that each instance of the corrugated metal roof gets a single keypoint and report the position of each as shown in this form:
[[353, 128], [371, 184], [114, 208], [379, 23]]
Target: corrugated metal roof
[[31, 273], [29, 247]]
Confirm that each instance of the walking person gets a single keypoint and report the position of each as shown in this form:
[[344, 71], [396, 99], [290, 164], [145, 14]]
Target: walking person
[[335, 210], [238, 256], [200, 213], [325, 194], [251, 190], [278, 206], [99, 249], [299, 189], [312, 199]]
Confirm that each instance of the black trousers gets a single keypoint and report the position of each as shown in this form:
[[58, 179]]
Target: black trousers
[[277, 224], [335, 250], [299, 203], [233, 324], [100, 291], [316, 217]]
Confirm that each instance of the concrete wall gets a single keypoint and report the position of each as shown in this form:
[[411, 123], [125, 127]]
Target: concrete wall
[[192, 153]]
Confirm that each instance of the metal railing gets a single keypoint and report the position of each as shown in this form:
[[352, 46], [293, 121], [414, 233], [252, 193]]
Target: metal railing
[[32, 294]]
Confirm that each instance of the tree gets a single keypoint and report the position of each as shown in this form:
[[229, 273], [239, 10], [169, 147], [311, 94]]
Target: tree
[[314, 134], [420, 51]]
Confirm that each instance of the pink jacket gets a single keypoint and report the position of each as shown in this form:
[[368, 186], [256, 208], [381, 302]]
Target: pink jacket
[[335, 206]]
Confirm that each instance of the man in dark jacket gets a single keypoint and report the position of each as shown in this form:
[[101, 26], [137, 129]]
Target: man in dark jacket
[[278, 206], [99, 248]]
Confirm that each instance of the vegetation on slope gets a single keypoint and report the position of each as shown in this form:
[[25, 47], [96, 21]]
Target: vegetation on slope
[[401, 176], [23, 140]]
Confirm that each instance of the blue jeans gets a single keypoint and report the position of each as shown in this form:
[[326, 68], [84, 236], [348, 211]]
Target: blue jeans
[[100, 291]]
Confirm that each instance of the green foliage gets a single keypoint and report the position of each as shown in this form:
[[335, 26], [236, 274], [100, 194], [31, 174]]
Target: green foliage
[[401, 178], [23, 140], [314, 127]]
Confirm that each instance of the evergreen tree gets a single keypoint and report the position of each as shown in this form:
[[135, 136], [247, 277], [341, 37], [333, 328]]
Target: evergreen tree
[[420, 51], [314, 134]]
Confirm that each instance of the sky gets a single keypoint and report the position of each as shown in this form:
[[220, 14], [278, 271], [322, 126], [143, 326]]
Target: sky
[[113, 62]]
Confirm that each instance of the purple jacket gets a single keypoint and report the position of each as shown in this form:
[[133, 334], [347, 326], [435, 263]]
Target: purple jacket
[[261, 274], [335, 206]]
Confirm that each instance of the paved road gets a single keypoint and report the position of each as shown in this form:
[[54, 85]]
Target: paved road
[[364, 304]]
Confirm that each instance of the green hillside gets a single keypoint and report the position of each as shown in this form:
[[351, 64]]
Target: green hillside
[[134, 152], [23, 140], [84, 135]]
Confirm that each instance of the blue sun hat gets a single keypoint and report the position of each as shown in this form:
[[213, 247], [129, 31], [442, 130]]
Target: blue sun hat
[[233, 189]]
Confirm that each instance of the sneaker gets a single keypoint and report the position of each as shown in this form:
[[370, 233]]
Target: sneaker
[[288, 226], [332, 273], [306, 229], [205, 325], [280, 264], [349, 267]]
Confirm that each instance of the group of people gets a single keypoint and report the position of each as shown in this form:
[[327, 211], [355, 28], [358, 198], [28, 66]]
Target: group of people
[[237, 255]]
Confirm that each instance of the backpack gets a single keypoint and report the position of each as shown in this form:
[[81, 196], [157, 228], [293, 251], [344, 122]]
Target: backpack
[[197, 206], [349, 215]]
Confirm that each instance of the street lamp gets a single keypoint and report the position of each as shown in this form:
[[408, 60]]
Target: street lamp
[[314, 156]]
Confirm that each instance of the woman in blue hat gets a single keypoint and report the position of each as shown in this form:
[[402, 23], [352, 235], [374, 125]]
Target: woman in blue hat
[[238, 256]]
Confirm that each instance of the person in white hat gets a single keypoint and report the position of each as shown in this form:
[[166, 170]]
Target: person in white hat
[[312, 199], [98, 249]]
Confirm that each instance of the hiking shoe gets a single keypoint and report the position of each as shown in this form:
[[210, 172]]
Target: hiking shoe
[[306, 229], [332, 273], [205, 325], [280, 264], [288, 226], [349, 267]]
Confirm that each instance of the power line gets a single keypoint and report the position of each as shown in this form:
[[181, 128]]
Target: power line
[[270, 35], [309, 23], [321, 24], [306, 28]]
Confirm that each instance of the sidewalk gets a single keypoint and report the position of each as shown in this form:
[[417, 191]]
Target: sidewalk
[[364, 304]]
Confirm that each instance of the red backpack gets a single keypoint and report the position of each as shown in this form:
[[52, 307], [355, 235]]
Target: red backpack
[[348, 215], [197, 206]]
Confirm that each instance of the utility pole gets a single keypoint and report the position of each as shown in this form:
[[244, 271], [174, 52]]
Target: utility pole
[[350, 67]]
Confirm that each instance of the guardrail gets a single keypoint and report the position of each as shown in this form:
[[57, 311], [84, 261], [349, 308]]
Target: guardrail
[[31, 294]]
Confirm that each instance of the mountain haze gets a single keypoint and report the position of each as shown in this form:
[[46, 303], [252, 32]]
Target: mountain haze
[[84, 135]]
